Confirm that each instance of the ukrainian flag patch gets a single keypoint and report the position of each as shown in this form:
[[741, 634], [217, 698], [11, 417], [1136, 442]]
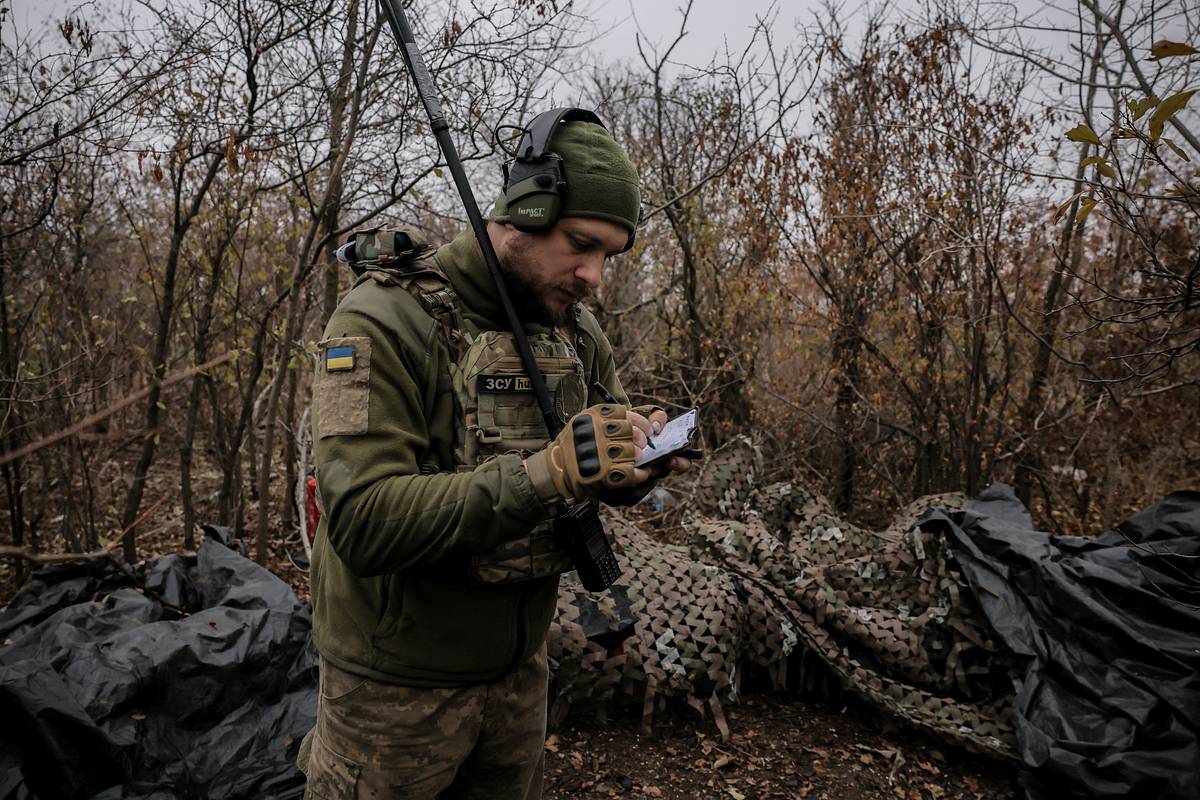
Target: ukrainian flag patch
[[339, 359]]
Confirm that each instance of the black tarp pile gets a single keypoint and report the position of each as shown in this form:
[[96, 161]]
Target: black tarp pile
[[106, 692], [1108, 702]]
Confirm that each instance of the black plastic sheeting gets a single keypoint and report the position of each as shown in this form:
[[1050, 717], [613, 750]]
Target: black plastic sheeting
[[1108, 704], [107, 693]]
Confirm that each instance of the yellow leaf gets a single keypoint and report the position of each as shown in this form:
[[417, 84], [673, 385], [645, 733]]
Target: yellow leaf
[[1164, 48], [1138, 108], [1105, 169], [1086, 204], [1126, 133], [1063, 208], [1178, 150], [1082, 133], [1167, 109]]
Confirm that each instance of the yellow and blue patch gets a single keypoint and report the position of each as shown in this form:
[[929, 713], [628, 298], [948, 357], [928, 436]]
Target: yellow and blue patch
[[339, 359]]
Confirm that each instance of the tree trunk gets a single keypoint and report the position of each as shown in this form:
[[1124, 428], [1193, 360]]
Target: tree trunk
[[166, 318], [1029, 464]]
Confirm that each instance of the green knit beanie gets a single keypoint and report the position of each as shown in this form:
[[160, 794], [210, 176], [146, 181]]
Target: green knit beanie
[[601, 180]]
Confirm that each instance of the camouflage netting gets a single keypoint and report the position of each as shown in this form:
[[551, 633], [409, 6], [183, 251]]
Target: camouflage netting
[[770, 578]]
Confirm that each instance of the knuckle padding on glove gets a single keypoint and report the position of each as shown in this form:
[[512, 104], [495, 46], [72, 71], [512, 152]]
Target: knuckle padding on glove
[[593, 453], [587, 456]]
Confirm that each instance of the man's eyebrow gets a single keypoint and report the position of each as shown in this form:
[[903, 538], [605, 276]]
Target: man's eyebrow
[[587, 240]]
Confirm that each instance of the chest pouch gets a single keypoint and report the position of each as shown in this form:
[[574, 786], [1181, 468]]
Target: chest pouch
[[501, 415]]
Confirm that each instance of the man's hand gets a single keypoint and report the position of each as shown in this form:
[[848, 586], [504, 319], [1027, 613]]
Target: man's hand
[[649, 420], [593, 453]]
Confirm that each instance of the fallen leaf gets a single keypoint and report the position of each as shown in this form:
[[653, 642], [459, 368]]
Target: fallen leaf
[[1165, 48], [735, 794], [552, 743], [652, 791], [576, 759], [721, 761], [866, 758], [137, 717]]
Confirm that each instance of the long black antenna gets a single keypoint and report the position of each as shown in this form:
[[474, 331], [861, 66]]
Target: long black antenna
[[394, 12]]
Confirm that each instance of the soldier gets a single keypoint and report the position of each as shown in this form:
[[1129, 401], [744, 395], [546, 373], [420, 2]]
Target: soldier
[[434, 573]]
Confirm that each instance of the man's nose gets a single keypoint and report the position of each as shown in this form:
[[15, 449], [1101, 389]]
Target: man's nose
[[590, 270]]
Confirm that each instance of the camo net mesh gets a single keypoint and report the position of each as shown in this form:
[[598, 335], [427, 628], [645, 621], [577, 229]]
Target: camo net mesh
[[769, 579]]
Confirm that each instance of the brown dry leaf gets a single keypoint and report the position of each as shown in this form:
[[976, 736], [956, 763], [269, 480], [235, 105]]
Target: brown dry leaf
[[136, 717], [722, 761], [552, 743], [1063, 208], [576, 759], [652, 791], [927, 767], [866, 758], [735, 794], [1165, 48]]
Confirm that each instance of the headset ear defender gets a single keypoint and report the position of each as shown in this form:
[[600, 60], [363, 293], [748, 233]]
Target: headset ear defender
[[535, 182], [534, 196]]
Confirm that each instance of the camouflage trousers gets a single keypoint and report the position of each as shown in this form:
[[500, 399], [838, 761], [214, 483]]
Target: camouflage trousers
[[381, 741]]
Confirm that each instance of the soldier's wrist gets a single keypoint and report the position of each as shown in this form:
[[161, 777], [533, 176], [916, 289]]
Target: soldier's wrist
[[537, 467]]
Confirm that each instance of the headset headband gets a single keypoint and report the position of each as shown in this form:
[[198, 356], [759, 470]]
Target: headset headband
[[535, 141]]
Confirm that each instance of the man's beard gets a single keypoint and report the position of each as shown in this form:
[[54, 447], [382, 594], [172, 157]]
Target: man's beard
[[528, 291]]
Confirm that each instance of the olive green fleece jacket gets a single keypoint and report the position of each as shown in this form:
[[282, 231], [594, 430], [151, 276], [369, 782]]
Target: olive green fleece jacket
[[392, 599]]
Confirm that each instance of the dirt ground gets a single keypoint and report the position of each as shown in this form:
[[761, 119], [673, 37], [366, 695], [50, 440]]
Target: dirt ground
[[781, 746]]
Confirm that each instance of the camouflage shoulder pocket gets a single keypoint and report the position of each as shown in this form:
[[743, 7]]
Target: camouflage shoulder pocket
[[342, 389]]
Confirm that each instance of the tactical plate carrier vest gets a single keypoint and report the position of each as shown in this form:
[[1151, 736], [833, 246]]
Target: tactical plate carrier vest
[[496, 406]]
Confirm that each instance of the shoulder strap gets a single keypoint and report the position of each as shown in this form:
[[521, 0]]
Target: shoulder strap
[[398, 257]]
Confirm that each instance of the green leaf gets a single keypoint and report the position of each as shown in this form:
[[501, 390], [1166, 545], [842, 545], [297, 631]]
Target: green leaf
[[1086, 204], [1138, 108], [1178, 151], [1082, 133], [1167, 109], [1165, 48]]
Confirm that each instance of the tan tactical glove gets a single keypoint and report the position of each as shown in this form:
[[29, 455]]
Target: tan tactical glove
[[593, 453]]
